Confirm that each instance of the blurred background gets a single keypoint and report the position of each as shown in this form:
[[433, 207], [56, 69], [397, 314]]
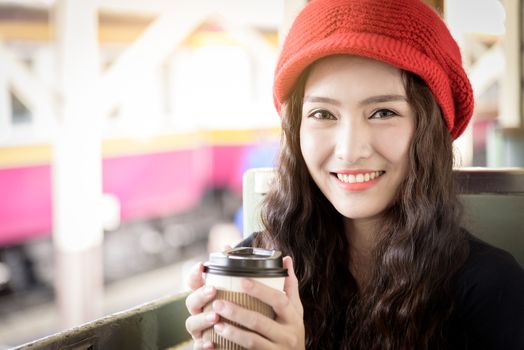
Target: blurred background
[[126, 126]]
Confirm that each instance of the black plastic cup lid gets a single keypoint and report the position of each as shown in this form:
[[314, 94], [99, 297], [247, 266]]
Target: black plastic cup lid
[[246, 262]]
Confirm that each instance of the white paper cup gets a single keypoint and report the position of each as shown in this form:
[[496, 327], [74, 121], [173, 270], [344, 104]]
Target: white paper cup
[[225, 270]]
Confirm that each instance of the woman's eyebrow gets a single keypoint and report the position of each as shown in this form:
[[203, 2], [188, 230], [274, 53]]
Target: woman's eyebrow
[[366, 101], [383, 98], [321, 99]]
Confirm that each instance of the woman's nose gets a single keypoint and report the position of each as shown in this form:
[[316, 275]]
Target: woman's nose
[[353, 142]]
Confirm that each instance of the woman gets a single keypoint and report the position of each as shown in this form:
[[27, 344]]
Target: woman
[[371, 95]]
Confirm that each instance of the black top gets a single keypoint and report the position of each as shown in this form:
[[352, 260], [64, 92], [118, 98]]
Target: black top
[[490, 300], [489, 306]]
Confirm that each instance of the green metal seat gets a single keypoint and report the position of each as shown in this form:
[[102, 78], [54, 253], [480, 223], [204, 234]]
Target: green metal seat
[[494, 207], [493, 204]]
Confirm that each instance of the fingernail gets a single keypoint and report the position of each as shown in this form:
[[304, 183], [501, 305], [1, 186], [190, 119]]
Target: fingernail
[[218, 305], [219, 327], [208, 290], [207, 345], [210, 317], [247, 284]]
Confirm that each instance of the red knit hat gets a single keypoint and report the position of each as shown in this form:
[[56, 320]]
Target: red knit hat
[[407, 34]]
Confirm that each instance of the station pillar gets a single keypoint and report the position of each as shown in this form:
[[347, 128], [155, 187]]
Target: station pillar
[[76, 164], [506, 143]]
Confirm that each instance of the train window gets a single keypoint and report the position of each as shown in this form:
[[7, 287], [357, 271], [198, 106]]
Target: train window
[[21, 115]]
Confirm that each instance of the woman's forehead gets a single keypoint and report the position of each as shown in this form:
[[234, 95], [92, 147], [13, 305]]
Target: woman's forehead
[[343, 74]]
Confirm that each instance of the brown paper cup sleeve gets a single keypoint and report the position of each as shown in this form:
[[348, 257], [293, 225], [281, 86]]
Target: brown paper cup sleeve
[[243, 300]]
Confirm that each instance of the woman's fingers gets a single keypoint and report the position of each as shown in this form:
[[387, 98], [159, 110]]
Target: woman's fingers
[[196, 300], [279, 301], [291, 285], [195, 277], [252, 320], [202, 344], [196, 324], [246, 339]]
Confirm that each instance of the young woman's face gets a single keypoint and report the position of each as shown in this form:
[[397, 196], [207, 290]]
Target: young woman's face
[[355, 133]]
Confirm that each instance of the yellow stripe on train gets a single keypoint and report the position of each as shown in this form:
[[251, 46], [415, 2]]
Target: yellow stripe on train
[[36, 154]]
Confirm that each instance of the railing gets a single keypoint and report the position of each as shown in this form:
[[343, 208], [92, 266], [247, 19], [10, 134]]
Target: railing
[[490, 180], [159, 324]]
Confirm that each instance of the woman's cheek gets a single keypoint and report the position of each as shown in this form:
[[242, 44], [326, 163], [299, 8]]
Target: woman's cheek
[[314, 147], [393, 144]]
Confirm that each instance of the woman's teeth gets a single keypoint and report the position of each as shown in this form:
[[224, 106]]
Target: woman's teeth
[[364, 177]]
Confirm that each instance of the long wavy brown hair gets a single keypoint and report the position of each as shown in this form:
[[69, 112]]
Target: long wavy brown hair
[[420, 248]]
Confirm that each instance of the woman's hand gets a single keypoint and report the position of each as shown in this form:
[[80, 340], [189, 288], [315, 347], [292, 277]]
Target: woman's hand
[[195, 302], [286, 331]]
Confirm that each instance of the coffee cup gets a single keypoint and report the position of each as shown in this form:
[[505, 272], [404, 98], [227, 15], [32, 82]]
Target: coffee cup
[[225, 270]]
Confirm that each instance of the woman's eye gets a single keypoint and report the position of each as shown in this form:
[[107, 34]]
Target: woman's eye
[[321, 114], [383, 114]]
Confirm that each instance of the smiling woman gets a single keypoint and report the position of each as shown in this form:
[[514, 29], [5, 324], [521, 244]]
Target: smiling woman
[[372, 94], [371, 119]]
